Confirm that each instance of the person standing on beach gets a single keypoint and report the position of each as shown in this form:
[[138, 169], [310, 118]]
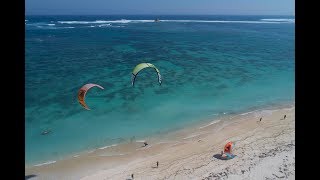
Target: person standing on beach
[[260, 119], [131, 176], [157, 164], [284, 117]]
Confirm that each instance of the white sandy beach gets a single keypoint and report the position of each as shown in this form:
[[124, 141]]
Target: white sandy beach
[[265, 150]]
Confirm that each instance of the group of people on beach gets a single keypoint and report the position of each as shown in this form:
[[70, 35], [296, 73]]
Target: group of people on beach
[[284, 117], [225, 154], [157, 164], [132, 176]]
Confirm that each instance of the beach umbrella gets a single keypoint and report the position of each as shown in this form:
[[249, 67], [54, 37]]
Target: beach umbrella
[[142, 66], [83, 91]]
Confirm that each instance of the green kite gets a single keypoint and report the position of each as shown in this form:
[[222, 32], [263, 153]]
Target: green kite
[[141, 66]]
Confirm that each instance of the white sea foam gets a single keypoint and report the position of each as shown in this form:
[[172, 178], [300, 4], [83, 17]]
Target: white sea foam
[[278, 19], [177, 20], [177, 143], [290, 108], [46, 163], [140, 141], [108, 146], [102, 25], [226, 21], [192, 136], [98, 21], [53, 27], [213, 122], [76, 156], [248, 112], [91, 151], [264, 113], [125, 21], [183, 21], [112, 155], [117, 26], [68, 27], [163, 142], [215, 114]]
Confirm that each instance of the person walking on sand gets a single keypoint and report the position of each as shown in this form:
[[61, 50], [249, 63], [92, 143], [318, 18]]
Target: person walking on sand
[[157, 164], [284, 117], [145, 144], [131, 176], [260, 119]]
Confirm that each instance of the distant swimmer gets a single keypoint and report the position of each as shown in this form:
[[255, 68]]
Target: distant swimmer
[[157, 20], [45, 132]]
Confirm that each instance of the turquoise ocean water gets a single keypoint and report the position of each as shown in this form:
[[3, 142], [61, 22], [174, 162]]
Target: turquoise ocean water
[[210, 65]]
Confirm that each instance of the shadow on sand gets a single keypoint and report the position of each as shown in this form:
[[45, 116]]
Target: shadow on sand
[[218, 156], [29, 176]]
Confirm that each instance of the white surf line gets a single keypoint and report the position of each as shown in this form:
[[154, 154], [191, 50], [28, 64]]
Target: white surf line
[[141, 141], [192, 136], [46, 163], [108, 146], [91, 151], [211, 123], [146, 147], [104, 155]]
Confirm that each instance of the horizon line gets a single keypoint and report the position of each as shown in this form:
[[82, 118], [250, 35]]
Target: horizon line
[[159, 14]]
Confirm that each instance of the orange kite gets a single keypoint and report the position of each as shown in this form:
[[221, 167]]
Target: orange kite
[[82, 94]]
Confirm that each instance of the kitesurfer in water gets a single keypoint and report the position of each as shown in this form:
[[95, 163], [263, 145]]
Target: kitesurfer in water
[[45, 132]]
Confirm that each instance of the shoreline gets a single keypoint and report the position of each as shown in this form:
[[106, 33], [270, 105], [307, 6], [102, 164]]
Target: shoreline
[[117, 156], [167, 135]]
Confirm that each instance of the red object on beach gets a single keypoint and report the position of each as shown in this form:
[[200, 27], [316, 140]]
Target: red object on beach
[[227, 147]]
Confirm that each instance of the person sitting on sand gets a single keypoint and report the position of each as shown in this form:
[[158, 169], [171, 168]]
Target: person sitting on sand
[[145, 144], [227, 152]]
